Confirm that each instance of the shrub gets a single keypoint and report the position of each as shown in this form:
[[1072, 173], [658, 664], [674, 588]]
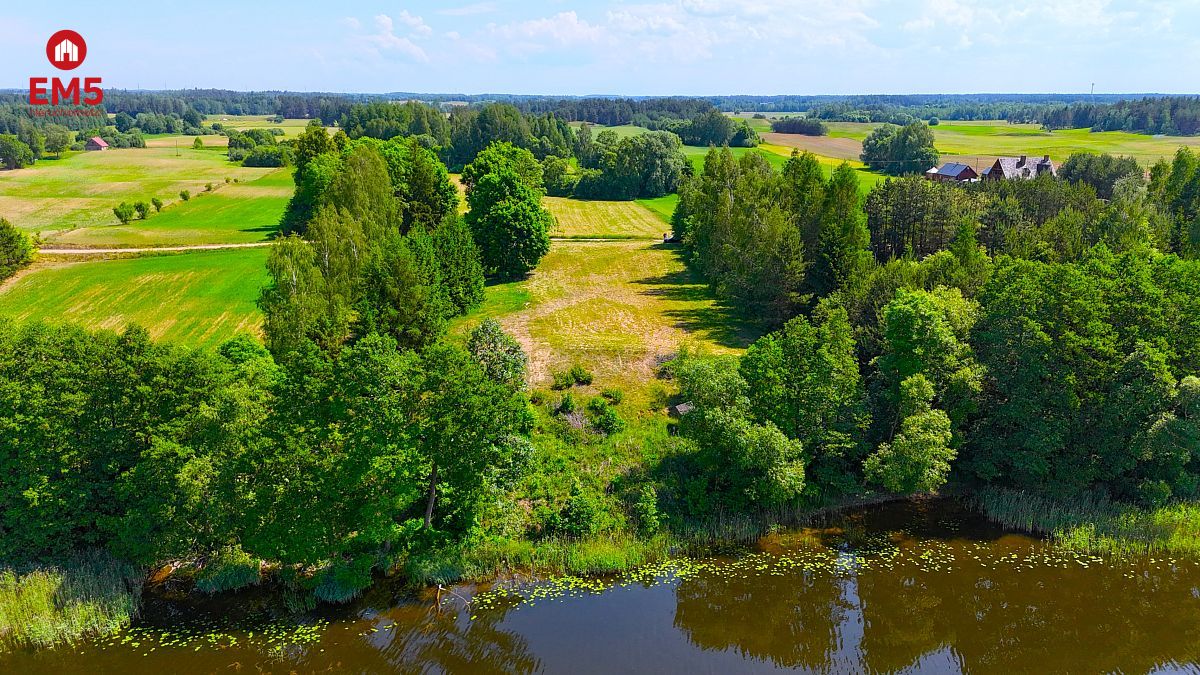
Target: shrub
[[614, 396], [185, 195], [933, 121], [562, 381], [197, 144], [208, 187], [645, 510], [609, 422], [124, 212], [143, 210], [15, 249], [228, 570], [157, 203], [579, 517], [567, 405], [580, 375], [227, 179]]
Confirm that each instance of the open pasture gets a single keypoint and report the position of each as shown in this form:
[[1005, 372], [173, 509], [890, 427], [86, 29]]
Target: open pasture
[[80, 190], [581, 219], [234, 213], [291, 127], [197, 298]]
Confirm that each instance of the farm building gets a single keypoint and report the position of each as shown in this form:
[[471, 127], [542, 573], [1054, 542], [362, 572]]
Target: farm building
[[95, 143], [1021, 167], [951, 172]]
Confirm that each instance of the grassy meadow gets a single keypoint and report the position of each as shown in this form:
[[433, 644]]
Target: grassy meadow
[[979, 142], [234, 213], [198, 298], [80, 190], [581, 219]]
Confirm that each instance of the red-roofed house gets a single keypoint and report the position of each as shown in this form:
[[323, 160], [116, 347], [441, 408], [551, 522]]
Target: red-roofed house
[[95, 143]]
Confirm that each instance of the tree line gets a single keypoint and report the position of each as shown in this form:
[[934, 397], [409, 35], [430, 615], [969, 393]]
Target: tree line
[[1026, 334]]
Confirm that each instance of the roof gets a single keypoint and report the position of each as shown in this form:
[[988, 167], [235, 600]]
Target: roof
[[98, 141], [1022, 167], [952, 169]]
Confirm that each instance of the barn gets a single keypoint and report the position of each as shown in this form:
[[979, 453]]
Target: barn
[[1019, 168], [95, 143]]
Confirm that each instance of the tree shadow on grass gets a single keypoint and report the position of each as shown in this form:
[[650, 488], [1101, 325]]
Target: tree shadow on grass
[[718, 321]]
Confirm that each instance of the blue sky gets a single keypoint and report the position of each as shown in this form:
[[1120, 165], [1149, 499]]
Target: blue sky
[[636, 48]]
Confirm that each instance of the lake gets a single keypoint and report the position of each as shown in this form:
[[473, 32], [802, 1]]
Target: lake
[[913, 587]]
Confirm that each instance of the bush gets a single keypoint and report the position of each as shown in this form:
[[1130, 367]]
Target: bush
[[933, 121], [609, 422], [614, 396], [197, 144], [157, 203], [567, 405], [645, 510], [208, 187], [580, 375], [800, 125], [562, 381], [143, 210], [228, 570], [185, 195], [269, 156], [579, 517], [124, 212]]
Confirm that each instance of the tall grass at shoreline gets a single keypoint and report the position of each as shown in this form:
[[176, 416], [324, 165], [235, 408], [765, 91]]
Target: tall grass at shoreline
[[91, 594], [1096, 526]]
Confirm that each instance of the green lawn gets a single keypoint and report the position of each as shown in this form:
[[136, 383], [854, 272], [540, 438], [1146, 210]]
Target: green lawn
[[579, 218], [199, 298], [81, 189], [235, 213]]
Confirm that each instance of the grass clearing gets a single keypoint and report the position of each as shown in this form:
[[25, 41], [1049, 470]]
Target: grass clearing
[[200, 298], [291, 127], [578, 219], [663, 207], [80, 190]]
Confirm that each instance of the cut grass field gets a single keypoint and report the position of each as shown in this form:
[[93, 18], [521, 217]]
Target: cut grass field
[[80, 190], [581, 219], [198, 298], [235, 213], [982, 141], [291, 127]]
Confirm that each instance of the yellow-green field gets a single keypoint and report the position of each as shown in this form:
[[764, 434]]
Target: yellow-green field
[[291, 127], [578, 219], [80, 190], [234, 213], [983, 141], [617, 307], [198, 298]]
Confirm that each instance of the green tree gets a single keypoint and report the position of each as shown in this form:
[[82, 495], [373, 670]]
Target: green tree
[[508, 223], [459, 259], [124, 212], [900, 150], [157, 203], [142, 209], [58, 138], [197, 144], [499, 156], [499, 353], [16, 251], [918, 458], [14, 154]]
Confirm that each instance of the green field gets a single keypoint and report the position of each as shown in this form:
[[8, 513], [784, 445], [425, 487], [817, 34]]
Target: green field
[[80, 190], [198, 298], [578, 219], [291, 127], [234, 213], [663, 207], [983, 141]]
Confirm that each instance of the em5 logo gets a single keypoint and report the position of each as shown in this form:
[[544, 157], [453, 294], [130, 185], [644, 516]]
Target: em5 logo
[[65, 50]]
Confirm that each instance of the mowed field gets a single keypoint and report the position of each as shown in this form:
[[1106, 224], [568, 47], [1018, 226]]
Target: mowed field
[[81, 189], [581, 219], [980, 142], [234, 213], [197, 298], [617, 307]]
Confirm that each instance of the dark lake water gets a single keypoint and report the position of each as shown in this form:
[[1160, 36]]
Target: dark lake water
[[909, 587]]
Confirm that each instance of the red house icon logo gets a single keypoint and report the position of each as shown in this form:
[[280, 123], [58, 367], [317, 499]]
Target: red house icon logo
[[66, 50]]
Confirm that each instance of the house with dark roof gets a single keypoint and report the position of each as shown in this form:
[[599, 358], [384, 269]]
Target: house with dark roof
[[1019, 168], [95, 143], [951, 172]]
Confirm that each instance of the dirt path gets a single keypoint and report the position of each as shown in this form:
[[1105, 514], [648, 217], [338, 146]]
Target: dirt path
[[151, 249]]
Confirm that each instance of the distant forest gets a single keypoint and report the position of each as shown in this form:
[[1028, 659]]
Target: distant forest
[[1136, 113]]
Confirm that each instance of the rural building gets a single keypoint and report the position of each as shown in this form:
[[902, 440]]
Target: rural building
[[95, 143], [1013, 168], [951, 172]]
